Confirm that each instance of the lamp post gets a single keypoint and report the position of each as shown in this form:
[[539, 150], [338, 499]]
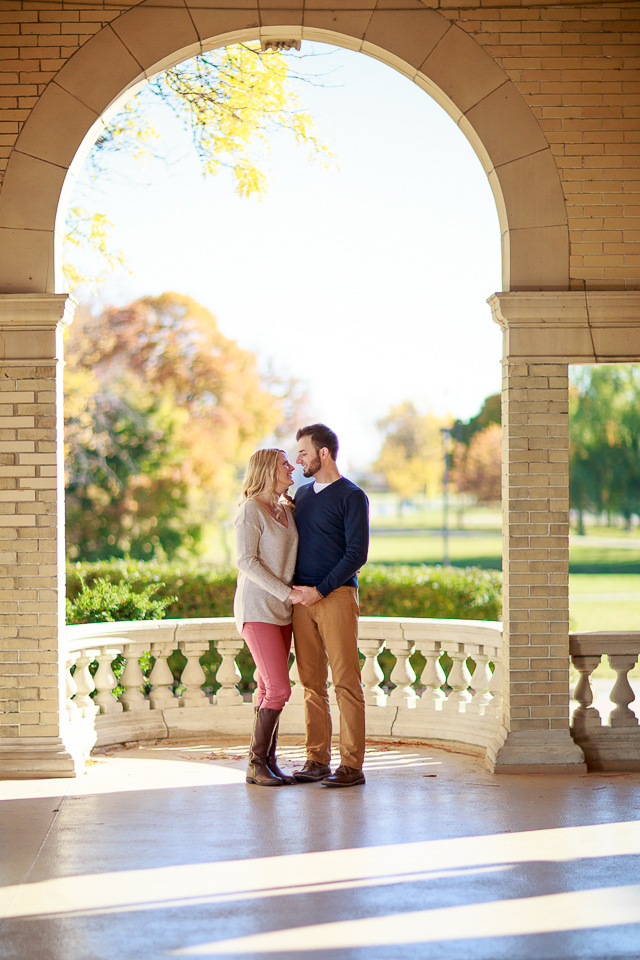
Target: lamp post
[[446, 441]]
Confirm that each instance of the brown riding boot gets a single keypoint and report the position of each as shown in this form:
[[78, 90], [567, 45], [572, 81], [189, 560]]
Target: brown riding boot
[[258, 771], [272, 761]]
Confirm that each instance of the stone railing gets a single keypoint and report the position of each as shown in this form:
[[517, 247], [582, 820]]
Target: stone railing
[[614, 745], [463, 707]]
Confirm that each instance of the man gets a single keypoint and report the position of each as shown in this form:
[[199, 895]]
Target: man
[[332, 516]]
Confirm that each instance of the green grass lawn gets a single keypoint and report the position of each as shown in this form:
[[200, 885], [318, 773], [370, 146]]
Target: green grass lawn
[[604, 582], [605, 601], [482, 550]]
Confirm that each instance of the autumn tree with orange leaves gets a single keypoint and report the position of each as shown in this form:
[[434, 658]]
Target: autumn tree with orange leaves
[[163, 412], [477, 469]]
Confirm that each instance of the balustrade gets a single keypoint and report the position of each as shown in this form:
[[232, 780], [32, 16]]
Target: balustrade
[[616, 744], [432, 678], [481, 683], [162, 696], [228, 674], [84, 685], [458, 695], [402, 675], [459, 680], [193, 676], [374, 695], [461, 706], [105, 683], [132, 679]]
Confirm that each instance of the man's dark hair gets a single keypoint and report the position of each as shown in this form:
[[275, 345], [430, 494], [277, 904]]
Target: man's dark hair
[[321, 436]]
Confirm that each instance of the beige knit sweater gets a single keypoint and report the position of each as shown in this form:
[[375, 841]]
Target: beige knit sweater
[[266, 559]]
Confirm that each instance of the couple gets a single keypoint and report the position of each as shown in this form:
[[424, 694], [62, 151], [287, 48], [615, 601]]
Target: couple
[[318, 542]]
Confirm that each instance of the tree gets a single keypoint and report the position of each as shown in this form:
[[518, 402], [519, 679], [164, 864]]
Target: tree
[[490, 412], [229, 101], [478, 467], [411, 455], [604, 441], [163, 412], [127, 492]]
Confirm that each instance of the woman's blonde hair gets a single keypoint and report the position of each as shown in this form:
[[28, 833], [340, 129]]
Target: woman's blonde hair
[[260, 478]]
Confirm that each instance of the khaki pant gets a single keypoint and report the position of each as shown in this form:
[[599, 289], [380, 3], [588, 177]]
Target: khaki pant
[[326, 635]]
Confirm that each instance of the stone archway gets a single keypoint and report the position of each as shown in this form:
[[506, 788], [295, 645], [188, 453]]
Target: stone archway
[[455, 70], [422, 44]]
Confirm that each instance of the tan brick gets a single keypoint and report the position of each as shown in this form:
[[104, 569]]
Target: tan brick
[[39, 730]]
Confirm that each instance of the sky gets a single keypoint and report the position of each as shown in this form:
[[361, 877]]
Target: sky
[[367, 281]]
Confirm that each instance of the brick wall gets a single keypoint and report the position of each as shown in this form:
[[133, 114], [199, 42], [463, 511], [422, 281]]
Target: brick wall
[[535, 543], [29, 552], [36, 40], [578, 68]]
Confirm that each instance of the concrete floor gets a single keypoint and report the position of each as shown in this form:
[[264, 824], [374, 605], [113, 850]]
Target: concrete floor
[[165, 852]]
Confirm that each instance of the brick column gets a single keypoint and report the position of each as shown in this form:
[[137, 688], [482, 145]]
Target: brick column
[[535, 509], [34, 738]]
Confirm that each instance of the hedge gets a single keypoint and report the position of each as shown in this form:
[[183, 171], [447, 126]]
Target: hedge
[[385, 591]]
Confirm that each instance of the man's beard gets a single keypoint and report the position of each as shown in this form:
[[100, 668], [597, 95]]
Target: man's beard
[[312, 468]]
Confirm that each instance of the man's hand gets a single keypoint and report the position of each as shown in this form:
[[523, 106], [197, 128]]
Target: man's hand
[[310, 596]]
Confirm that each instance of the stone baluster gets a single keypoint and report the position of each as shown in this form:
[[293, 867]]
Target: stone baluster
[[132, 679], [402, 674], [585, 716], [85, 685], [162, 696], [459, 679], [372, 673], [432, 678], [297, 690], [228, 674], [622, 694], [480, 683], [73, 710], [495, 688], [105, 681]]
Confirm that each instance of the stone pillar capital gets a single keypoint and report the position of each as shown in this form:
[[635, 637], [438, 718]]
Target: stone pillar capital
[[569, 327], [31, 326]]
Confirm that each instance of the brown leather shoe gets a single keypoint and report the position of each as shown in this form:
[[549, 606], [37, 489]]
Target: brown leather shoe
[[344, 777], [311, 772]]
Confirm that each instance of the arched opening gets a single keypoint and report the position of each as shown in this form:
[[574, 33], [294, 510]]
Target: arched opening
[[413, 348]]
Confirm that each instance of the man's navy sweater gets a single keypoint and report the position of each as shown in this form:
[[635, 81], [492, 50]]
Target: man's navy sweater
[[333, 527]]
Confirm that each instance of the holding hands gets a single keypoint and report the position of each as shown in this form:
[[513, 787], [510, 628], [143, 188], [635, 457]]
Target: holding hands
[[307, 596]]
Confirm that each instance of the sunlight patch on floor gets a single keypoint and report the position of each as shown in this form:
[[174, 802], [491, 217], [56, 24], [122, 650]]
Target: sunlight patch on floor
[[185, 884], [551, 913]]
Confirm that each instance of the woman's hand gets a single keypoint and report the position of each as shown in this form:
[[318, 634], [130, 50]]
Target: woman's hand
[[295, 595], [310, 595]]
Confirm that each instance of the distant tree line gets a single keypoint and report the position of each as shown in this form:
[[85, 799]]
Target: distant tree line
[[411, 457], [604, 447]]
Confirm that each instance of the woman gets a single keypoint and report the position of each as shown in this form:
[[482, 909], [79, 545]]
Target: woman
[[267, 542]]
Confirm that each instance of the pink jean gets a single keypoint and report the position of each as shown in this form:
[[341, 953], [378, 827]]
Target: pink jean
[[269, 645]]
